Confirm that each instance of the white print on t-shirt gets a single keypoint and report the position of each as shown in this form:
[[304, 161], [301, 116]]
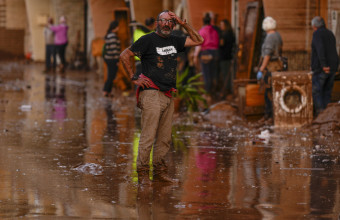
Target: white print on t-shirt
[[166, 50]]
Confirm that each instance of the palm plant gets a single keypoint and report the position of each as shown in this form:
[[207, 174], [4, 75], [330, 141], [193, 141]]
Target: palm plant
[[190, 91]]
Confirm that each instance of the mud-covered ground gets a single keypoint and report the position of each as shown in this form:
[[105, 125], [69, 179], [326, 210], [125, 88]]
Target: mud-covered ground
[[66, 152]]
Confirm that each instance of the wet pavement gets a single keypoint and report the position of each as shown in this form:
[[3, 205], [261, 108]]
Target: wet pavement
[[66, 152]]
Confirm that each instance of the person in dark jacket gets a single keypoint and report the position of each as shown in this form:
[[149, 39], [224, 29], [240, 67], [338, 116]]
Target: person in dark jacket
[[50, 53], [324, 64], [227, 43]]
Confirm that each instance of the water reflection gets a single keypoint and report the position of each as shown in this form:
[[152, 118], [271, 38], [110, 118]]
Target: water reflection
[[324, 185], [323, 188], [278, 179], [156, 202], [55, 92]]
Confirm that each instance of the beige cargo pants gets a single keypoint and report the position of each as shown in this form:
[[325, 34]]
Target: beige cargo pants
[[156, 123]]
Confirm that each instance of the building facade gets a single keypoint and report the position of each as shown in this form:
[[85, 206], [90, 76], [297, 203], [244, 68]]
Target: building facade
[[22, 22]]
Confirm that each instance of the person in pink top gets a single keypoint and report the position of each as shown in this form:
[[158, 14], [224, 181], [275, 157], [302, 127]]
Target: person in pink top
[[61, 40], [208, 54]]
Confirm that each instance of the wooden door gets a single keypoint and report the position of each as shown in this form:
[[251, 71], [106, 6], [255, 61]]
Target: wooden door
[[250, 41], [121, 15], [250, 97]]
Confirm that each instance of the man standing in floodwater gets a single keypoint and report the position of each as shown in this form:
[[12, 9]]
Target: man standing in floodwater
[[158, 53], [324, 64]]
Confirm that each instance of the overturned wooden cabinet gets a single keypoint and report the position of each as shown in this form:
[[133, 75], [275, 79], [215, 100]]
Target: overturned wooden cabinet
[[292, 98]]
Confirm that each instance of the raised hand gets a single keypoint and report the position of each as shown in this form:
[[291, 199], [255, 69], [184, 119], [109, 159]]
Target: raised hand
[[176, 18]]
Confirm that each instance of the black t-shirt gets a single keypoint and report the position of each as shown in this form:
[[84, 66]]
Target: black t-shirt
[[159, 58]]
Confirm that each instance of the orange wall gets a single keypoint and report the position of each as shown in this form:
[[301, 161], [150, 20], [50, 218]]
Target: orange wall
[[102, 14], [197, 9], [145, 9], [293, 25]]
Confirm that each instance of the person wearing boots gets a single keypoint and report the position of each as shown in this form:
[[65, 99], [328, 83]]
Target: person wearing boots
[[158, 53]]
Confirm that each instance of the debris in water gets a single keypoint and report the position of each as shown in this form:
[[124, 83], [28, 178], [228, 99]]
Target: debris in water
[[265, 136], [26, 107], [90, 168], [180, 206]]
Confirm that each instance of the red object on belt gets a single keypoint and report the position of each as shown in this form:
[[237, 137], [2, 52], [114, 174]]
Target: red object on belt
[[154, 86]]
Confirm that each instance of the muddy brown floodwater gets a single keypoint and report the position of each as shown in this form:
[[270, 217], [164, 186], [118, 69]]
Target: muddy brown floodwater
[[66, 152]]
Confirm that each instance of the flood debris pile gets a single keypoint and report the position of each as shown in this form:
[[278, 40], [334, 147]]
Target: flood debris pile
[[219, 127], [328, 122], [223, 118], [223, 114]]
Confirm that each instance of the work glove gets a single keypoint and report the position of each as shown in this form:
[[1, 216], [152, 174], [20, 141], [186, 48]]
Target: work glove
[[259, 75]]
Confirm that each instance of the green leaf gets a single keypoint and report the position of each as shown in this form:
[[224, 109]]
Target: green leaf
[[195, 77], [197, 84], [190, 89]]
